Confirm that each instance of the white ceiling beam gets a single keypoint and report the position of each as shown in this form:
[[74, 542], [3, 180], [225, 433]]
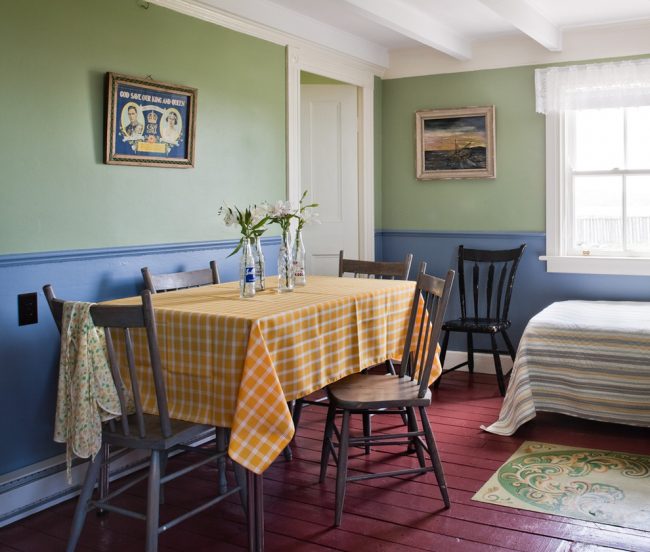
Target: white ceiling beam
[[409, 21], [529, 21], [275, 23]]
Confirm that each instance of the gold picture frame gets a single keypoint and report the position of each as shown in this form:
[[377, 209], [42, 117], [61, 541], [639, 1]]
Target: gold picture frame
[[455, 143], [149, 123]]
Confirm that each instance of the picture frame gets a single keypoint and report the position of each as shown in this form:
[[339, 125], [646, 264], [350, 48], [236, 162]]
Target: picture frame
[[149, 123], [455, 143]]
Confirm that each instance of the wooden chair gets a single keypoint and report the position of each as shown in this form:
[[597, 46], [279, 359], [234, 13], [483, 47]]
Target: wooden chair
[[398, 270], [158, 434], [157, 283], [160, 283], [490, 302], [387, 394]]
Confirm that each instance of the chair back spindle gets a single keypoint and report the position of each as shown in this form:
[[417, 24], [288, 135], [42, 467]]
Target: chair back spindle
[[385, 270], [158, 283], [119, 322], [487, 299], [431, 299]]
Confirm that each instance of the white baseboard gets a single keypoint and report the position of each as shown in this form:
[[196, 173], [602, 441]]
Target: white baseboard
[[34, 488], [483, 362]]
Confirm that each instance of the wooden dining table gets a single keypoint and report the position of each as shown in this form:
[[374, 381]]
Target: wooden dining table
[[236, 362]]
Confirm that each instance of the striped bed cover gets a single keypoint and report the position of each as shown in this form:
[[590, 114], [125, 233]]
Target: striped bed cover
[[589, 359]]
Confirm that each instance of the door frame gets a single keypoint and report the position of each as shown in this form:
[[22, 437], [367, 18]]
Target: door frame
[[339, 68]]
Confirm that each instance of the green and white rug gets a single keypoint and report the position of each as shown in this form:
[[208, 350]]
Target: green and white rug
[[595, 485]]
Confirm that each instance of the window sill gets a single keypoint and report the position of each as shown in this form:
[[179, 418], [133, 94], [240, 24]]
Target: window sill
[[632, 266]]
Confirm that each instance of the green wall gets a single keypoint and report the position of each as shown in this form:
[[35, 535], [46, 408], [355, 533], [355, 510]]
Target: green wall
[[56, 192], [514, 201]]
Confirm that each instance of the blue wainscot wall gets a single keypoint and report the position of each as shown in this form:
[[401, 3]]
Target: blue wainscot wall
[[534, 288], [29, 354]]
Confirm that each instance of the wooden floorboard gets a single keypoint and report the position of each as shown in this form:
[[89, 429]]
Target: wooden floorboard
[[381, 515]]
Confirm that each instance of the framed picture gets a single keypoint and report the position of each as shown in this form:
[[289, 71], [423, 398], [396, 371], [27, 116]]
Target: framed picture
[[149, 123], [455, 143]]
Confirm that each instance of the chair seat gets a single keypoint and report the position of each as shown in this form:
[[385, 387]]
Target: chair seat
[[478, 325], [182, 432], [369, 391]]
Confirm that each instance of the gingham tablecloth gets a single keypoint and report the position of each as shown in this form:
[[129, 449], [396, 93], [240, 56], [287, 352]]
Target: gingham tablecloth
[[233, 362]]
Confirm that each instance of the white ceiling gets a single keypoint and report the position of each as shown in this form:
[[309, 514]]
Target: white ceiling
[[374, 29]]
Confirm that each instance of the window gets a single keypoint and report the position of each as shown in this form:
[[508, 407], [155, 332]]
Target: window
[[609, 182], [598, 167]]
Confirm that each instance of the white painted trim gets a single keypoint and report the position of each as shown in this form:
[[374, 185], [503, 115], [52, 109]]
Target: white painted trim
[[46, 485], [282, 26], [611, 41], [631, 266], [335, 67], [555, 209], [483, 362]]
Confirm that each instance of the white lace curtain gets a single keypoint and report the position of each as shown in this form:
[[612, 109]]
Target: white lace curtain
[[593, 86]]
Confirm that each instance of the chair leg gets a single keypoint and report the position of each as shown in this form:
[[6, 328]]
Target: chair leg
[[222, 446], [404, 416], [104, 477], [327, 443], [470, 352], [367, 430], [163, 470], [297, 412], [390, 368], [497, 365], [241, 479], [415, 442], [435, 456], [287, 453], [153, 502], [82, 503], [342, 468], [443, 354], [511, 349]]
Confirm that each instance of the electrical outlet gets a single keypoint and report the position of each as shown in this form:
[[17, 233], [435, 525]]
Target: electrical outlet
[[27, 309]]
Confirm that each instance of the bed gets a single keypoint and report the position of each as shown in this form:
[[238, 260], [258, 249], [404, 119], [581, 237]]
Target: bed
[[589, 359]]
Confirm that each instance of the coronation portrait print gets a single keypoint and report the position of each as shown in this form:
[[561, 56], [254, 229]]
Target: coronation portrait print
[[149, 123]]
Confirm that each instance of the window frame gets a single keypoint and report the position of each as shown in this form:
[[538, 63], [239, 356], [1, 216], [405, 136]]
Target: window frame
[[559, 215]]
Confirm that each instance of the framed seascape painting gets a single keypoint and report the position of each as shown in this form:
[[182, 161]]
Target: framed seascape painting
[[455, 143], [149, 123]]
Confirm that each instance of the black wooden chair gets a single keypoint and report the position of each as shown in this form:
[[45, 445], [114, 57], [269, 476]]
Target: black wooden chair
[[158, 434], [489, 288], [389, 394], [382, 270], [157, 283]]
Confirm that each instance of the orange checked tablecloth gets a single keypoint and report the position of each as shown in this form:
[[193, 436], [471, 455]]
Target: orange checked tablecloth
[[233, 362]]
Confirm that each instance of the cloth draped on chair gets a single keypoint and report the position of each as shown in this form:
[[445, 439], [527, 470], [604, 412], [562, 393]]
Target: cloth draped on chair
[[86, 391]]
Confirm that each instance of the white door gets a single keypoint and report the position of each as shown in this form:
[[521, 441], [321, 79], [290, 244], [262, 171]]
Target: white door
[[329, 173]]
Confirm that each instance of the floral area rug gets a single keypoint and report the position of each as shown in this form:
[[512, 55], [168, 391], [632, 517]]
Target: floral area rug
[[595, 485]]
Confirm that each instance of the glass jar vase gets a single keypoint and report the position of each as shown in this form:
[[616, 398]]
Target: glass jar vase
[[260, 266], [286, 280], [299, 272], [247, 271]]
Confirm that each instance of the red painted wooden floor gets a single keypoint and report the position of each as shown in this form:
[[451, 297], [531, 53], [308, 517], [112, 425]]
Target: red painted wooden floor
[[381, 515]]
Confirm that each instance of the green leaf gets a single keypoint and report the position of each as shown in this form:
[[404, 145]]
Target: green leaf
[[239, 246]]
